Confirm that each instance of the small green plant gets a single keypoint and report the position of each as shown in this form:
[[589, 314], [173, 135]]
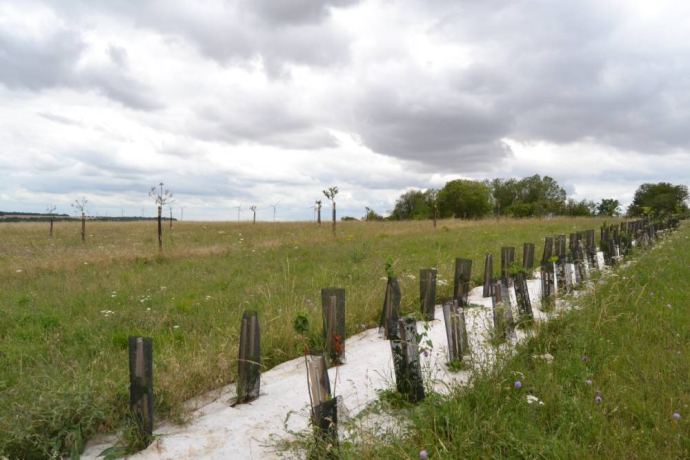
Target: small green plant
[[390, 273]]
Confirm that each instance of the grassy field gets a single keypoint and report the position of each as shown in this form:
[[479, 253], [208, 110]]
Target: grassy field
[[67, 307], [618, 386]]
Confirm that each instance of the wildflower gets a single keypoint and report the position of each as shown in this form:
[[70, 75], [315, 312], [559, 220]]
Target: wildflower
[[424, 455], [426, 353], [362, 326], [588, 382], [676, 416], [19, 271], [518, 384], [601, 281], [585, 359], [176, 327], [280, 310], [598, 399], [669, 306]]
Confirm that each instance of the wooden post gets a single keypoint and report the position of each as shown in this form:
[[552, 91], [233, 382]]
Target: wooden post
[[488, 276], [171, 219], [408, 372], [456, 331], [160, 228], [51, 226], [522, 296], [334, 218], [141, 385], [83, 227], [427, 292], [528, 256], [461, 285], [507, 259], [504, 323], [333, 309], [324, 406], [249, 362], [388, 325], [435, 214], [548, 281]]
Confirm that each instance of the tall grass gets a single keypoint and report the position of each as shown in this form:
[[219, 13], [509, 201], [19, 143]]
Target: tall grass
[[618, 386], [68, 307]]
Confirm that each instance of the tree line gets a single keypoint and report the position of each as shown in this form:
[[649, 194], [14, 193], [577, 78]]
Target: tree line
[[533, 196]]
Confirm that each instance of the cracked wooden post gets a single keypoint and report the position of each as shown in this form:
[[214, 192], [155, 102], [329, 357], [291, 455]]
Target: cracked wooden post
[[488, 277], [507, 260], [388, 325], [548, 279], [461, 285], [333, 308], [504, 323], [427, 292], [249, 363], [141, 385], [522, 295], [528, 256], [560, 249], [324, 405], [591, 248], [408, 372], [456, 331]]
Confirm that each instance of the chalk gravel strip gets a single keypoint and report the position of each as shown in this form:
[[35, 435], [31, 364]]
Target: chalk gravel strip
[[249, 431]]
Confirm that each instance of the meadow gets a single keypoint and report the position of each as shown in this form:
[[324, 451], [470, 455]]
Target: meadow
[[67, 307]]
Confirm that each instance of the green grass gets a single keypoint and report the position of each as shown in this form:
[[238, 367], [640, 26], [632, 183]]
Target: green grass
[[631, 339], [63, 358]]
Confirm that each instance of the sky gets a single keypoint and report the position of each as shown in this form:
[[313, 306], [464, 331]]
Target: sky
[[265, 102]]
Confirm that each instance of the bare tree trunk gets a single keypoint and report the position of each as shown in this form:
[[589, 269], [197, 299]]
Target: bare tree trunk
[[254, 217], [318, 218], [160, 229], [334, 218], [83, 228], [51, 227], [171, 219]]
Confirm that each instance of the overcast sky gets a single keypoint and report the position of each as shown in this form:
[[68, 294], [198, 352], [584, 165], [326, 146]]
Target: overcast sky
[[266, 101]]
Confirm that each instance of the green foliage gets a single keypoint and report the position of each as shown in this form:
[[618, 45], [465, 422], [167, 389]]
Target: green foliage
[[609, 207], [659, 200], [390, 273], [415, 205], [465, 199], [300, 324], [533, 196]]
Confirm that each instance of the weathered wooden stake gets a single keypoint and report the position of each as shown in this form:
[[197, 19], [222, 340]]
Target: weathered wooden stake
[[528, 256], [488, 277], [504, 323], [249, 363], [427, 292], [160, 228], [324, 406], [408, 372], [141, 385], [388, 325], [333, 308], [83, 228], [507, 260], [461, 285], [456, 331], [522, 295]]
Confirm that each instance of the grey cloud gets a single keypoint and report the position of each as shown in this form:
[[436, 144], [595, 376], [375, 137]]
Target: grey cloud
[[287, 12]]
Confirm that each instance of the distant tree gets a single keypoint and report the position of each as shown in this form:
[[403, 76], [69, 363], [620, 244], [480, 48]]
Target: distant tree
[[609, 207], [659, 200], [330, 194], [81, 207], [582, 208], [530, 196], [464, 199], [51, 212], [346, 218], [317, 207], [372, 215], [253, 208], [415, 204], [161, 198], [505, 193]]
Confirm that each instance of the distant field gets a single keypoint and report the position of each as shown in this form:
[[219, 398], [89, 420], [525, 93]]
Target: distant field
[[67, 307]]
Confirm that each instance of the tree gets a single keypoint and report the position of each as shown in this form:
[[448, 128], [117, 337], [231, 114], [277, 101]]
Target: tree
[[415, 205], [372, 215], [464, 199], [161, 198], [659, 200], [51, 212], [317, 208], [530, 196], [330, 194], [582, 208], [81, 206], [609, 207]]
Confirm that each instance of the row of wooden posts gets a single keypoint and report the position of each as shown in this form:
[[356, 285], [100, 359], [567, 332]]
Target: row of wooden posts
[[558, 259]]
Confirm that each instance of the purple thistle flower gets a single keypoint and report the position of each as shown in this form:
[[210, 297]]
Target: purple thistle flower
[[426, 353], [676, 416], [598, 399], [424, 455], [518, 384]]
